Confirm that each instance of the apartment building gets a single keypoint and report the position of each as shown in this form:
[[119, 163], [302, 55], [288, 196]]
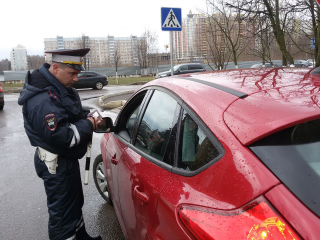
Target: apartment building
[[18, 58], [103, 50], [200, 34], [190, 43]]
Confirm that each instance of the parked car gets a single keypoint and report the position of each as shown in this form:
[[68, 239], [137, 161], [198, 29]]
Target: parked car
[[183, 69], [311, 63], [1, 98], [228, 155], [91, 80], [301, 63], [260, 65]]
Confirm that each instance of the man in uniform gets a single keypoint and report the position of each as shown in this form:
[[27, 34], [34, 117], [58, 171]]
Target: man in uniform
[[59, 128]]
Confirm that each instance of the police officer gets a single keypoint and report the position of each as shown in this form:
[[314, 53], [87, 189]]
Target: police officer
[[59, 128]]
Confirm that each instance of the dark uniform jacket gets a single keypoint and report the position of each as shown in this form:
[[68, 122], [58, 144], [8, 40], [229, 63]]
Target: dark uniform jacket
[[53, 115], [54, 120]]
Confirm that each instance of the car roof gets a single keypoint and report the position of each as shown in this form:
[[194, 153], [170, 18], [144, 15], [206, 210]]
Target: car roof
[[189, 64], [254, 103]]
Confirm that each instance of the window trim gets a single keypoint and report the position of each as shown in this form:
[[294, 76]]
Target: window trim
[[183, 106], [144, 104], [119, 124], [142, 112], [153, 160], [207, 132]]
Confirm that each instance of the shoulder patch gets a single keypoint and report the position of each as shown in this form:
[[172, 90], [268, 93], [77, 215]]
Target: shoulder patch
[[50, 121], [52, 95]]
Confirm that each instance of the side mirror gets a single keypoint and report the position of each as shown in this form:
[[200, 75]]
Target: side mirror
[[106, 126]]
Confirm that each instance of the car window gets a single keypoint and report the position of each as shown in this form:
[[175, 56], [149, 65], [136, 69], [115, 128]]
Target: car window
[[90, 75], [81, 75], [183, 68], [195, 148], [195, 67], [156, 125], [175, 68], [131, 120], [126, 121], [293, 156]]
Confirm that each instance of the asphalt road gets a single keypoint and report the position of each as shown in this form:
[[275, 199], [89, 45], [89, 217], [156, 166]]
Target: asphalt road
[[23, 210]]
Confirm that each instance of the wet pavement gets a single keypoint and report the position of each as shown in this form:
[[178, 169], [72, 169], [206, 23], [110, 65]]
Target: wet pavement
[[23, 213]]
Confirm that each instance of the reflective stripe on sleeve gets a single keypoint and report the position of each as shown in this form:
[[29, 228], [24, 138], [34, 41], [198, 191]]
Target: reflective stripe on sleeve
[[76, 136], [72, 237]]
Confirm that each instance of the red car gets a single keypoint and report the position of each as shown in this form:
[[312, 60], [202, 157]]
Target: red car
[[222, 155]]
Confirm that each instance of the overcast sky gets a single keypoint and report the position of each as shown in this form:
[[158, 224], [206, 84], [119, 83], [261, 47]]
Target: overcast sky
[[29, 22]]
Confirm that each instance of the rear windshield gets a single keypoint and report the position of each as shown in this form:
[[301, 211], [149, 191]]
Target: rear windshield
[[293, 155]]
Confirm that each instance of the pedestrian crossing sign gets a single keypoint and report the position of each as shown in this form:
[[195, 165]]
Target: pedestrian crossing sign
[[171, 19]]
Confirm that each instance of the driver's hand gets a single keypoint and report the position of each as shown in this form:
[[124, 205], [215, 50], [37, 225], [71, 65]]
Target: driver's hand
[[95, 122]]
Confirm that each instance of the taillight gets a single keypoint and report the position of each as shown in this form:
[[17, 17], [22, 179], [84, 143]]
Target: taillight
[[258, 221], [1, 88]]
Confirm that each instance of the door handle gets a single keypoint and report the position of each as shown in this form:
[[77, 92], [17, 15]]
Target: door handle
[[141, 195], [114, 159]]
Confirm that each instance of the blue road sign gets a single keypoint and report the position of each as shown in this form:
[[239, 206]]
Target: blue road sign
[[313, 42], [171, 19]]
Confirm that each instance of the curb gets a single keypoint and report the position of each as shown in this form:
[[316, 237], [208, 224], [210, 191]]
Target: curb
[[113, 104], [12, 90]]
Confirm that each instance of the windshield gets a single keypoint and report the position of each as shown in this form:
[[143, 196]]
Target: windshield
[[293, 155], [256, 65], [175, 68]]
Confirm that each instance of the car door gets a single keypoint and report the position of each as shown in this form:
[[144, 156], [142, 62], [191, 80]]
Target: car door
[[117, 146], [89, 80], [143, 169], [194, 68], [80, 82]]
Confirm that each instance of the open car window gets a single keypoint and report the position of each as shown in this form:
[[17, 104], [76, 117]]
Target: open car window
[[128, 117]]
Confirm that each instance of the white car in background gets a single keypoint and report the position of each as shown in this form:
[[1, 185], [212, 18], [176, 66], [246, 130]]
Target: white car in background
[[311, 63]]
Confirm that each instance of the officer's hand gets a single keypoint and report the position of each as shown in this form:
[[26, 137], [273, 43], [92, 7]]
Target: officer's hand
[[95, 122]]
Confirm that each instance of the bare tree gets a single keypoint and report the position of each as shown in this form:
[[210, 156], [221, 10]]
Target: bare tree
[[278, 15], [231, 24], [216, 53], [5, 65], [116, 58], [35, 61], [303, 26], [262, 38], [146, 45]]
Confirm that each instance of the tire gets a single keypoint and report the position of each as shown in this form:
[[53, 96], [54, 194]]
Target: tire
[[1, 107], [100, 179], [98, 85]]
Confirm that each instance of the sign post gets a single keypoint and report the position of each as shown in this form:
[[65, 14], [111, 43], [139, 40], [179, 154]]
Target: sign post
[[171, 21], [313, 46]]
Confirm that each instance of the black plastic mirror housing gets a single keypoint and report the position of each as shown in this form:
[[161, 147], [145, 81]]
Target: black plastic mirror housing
[[106, 126]]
